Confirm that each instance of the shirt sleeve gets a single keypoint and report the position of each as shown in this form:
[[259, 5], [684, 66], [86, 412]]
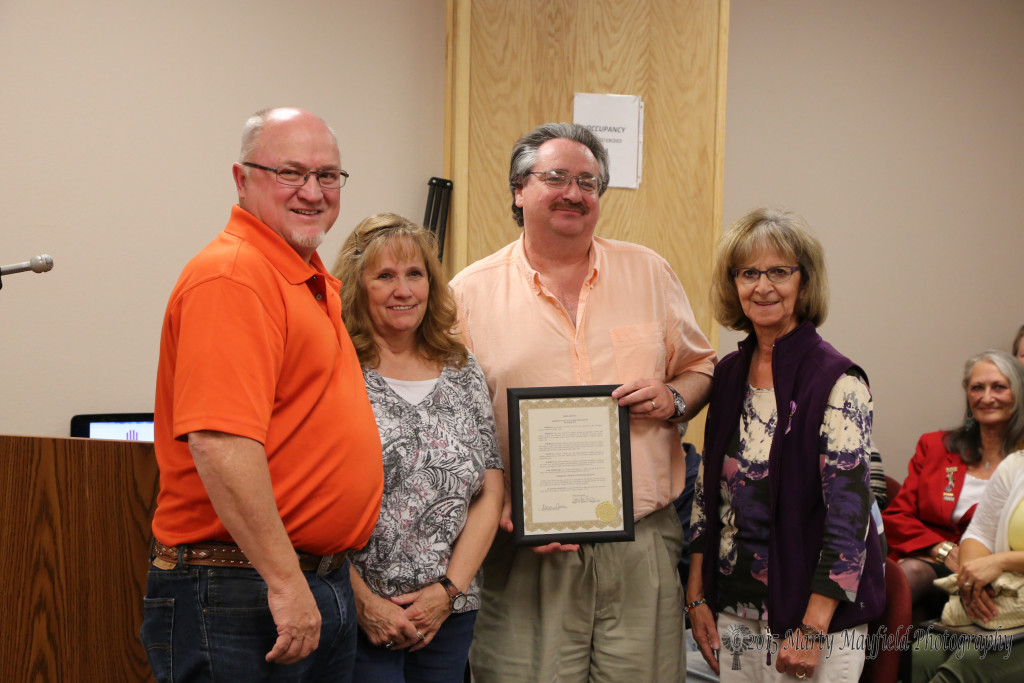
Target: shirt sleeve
[[230, 351], [687, 349], [698, 523], [845, 440], [461, 316], [907, 530], [483, 414]]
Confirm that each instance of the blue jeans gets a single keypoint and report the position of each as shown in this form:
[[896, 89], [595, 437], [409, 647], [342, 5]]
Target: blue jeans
[[214, 624], [442, 661]]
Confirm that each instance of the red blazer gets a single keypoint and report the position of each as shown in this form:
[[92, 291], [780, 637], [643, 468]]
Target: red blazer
[[921, 515]]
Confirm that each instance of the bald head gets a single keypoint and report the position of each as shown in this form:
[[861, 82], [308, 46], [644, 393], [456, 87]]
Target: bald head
[[255, 124]]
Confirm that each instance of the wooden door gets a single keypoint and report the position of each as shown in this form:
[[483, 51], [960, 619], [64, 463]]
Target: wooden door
[[514, 64]]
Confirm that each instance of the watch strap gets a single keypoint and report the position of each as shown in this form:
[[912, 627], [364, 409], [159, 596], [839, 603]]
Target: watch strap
[[450, 588], [679, 402]]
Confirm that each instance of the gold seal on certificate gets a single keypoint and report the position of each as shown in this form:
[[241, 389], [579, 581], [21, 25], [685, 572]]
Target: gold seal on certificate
[[569, 465], [606, 512]]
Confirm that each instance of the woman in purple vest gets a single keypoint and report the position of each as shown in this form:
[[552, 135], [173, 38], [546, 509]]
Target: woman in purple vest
[[793, 569]]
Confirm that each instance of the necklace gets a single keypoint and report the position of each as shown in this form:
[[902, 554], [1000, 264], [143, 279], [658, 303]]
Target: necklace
[[988, 463]]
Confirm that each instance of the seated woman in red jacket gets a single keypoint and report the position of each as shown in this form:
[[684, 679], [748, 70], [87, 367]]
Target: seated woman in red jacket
[[948, 475]]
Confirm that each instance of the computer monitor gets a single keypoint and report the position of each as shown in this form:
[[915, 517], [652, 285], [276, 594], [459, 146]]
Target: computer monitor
[[120, 426]]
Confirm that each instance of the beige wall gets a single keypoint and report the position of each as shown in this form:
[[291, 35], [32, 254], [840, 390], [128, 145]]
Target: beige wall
[[895, 128], [119, 121]]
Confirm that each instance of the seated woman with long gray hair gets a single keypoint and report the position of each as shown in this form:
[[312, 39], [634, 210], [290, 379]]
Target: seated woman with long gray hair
[[948, 476]]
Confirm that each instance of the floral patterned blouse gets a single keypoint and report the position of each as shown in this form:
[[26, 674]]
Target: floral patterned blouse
[[743, 552], [435, 455]]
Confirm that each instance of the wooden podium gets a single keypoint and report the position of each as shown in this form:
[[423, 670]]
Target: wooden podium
[[74, 539]]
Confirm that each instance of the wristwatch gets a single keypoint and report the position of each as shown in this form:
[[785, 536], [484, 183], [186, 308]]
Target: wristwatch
[[679, 402], [457, 597], [812, 634], [944, 550]]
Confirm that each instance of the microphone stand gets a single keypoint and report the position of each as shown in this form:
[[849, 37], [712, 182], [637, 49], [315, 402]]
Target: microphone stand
[[37, 264]]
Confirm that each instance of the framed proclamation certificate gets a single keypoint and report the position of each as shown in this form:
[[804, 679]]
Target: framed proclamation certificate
[[570, 467]]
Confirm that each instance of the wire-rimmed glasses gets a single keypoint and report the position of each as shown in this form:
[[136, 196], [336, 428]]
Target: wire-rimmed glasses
[[329, 178]]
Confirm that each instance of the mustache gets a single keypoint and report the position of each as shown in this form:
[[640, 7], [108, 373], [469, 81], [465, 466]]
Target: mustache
[[570, 206]]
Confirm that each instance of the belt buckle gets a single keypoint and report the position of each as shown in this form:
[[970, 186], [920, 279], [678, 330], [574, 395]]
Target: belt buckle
[[330, 563]]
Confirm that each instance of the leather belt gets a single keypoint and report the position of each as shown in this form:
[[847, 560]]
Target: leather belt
[[228, 555]]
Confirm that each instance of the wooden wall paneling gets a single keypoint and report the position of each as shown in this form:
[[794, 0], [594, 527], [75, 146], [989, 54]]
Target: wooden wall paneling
[[526, 59], [75, 529], [503, 57], [456, 130]]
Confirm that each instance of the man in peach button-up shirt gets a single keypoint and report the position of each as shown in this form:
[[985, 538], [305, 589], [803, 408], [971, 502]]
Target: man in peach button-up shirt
[[562, 307]]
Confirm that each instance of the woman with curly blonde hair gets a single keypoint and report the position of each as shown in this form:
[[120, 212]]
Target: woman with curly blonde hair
[[416, 582]]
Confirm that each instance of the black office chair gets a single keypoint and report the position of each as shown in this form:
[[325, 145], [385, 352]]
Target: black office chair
[[435, 219]]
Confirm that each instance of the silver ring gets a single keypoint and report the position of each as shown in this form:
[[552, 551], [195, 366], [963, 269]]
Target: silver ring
[[388, 645], [654, 406], [420, 635], [802, 675], [967, 584]]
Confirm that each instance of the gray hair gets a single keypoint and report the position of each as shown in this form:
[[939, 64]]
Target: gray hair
[[966, 440], [524, 155], [254, 126]]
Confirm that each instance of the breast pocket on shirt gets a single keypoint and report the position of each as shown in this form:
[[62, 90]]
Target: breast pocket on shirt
[[639, 351]]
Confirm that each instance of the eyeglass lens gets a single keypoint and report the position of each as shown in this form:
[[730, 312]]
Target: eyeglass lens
[[329, 179], [560, 179], [778, 274]]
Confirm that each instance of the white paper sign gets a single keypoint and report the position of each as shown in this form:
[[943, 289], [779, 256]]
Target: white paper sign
[[618, 120]]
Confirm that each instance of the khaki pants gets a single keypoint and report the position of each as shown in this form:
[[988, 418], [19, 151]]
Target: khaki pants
[[609, 612]]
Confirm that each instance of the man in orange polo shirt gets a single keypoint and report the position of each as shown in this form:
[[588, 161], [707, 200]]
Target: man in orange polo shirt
[[270, 462]]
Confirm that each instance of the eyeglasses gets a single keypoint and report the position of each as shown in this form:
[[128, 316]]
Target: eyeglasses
[[329, 178], [559, 179], [776, 274]]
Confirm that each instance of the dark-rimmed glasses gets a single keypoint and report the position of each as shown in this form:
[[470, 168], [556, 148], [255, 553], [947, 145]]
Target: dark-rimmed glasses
[[559, 179], [329, 178], [776, 274]]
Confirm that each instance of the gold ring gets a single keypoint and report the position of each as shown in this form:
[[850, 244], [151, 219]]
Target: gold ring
[[802, 675], [967, 584], [654, 406], [420, 635]]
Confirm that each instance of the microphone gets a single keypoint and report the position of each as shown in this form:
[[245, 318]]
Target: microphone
[[37, 264]]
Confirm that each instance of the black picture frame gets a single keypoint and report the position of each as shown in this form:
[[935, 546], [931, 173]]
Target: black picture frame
[[536, 505]]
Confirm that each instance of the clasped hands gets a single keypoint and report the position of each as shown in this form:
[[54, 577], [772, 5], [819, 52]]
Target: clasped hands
[[974, 581], [405, 621]]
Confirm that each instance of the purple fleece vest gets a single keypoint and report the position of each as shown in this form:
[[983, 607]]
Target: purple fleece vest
[[804, 370]]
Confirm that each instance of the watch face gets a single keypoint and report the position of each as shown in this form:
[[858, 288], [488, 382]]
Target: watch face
[[458, 602]]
